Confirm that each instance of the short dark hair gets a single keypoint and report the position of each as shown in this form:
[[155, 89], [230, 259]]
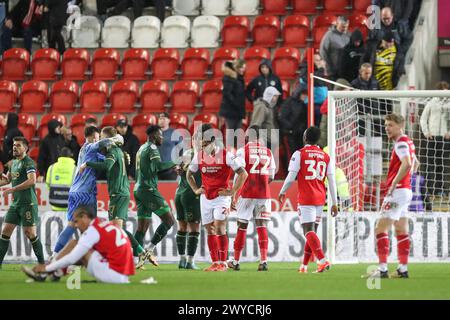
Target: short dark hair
[[203, 129], [312, 135], [66, 152], [84, 210], [89, 131], [22, 140], [152, 129], [109, 131], [91, 120]]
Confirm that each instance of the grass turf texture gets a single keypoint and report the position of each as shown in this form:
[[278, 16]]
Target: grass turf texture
[[427, 281]]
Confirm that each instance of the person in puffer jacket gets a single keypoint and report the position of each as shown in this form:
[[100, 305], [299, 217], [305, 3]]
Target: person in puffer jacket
[[267, 78]]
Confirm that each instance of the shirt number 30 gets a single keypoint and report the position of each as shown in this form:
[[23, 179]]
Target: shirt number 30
[[316, 169]]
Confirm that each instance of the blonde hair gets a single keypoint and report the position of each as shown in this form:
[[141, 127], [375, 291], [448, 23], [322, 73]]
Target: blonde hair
[[398, 119], [238, 63]]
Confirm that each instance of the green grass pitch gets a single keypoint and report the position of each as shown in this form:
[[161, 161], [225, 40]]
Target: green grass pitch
[[427, 281]]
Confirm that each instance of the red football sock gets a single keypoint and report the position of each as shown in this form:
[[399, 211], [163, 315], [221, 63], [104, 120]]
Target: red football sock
[[383, 247], [239, 243], [314, 243], [308, 254], [403, 245], [213, 247], [223, 247], [263, 241]]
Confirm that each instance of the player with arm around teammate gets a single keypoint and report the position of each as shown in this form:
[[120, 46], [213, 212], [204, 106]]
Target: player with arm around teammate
[[311, 165]]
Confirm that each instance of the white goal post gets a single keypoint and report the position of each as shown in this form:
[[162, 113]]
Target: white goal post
[[359, 147]]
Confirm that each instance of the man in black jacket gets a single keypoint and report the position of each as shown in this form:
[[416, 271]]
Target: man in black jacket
[[365, 80], [350, 56], [56, 16], [50, 148], [71, 142], [267, 78], [402, 9], [130, 145]]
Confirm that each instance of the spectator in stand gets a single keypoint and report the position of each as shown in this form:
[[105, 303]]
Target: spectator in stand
[[166, 148], [12, 131], [402, 35], [130, 145], [350, 56], [50, 148], [365, 80], [22, 21], [293, 119], [117, 7], [71, 142], [267, 78], [402, 9], [434, 123], [388, 60], [333, 41], [56, 10]]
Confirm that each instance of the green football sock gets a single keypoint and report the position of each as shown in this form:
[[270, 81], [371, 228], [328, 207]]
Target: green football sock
[[181, 242], [139, 236], [137, 248], [38, 250], [4, 245], [192, 243], [160, 233]]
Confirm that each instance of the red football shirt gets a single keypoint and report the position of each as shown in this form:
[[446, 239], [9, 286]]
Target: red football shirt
[[403, 147]]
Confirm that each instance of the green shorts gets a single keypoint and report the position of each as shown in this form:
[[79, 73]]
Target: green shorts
[[22, 215], [149, 202], [118, 207], [188, 207]]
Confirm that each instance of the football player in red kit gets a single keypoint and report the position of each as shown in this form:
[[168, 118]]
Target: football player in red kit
[[103, 249], [255, 200], [311, 166], [216, 166]]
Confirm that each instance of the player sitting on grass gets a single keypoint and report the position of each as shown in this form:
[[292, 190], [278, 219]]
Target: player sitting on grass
[[311, 165], [24, 209], [103, 249]]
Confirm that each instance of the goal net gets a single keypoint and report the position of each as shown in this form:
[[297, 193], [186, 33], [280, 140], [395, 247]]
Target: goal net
[[358, 143]]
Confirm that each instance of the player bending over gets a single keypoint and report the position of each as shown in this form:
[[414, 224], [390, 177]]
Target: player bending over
[[216, 166], [24, 209], [394, 209], [148, 198], [255, 201], [311, 166], [103, 248]]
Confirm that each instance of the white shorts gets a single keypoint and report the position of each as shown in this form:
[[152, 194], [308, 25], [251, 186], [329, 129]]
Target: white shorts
[[99, 268], [254, 208], [214, 209], [310, 214], [396, 206]]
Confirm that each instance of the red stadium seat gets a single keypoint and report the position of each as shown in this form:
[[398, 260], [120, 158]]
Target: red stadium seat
[[195, 64], [253, 57], [135, 63], [222, 55], [33, 96], [321, 26], [154, 95], [265, 31], [361, 6], [337, 7], [27, 124], [178, 121], [285, 62], [94, 95], [201, 118], [184, 96], [212, 95], [124, 95], [286, 88], [165, 64], [358, 21], [105, 64], [15, 63], [43, 130], [78, 124], [64, 96], [34, 154], [308, 7], [8, 95], [75, 64], [140, 124], [111, 119], [45, 64], [295, 31], [235, 31], [275, 7]]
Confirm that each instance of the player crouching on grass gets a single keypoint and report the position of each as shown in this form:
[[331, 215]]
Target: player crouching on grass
[[311, 166], [395, 205], [103, 249], [216, 166]]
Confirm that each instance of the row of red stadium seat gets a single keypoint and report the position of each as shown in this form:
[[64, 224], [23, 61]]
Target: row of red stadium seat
[[136, 62], [279, 7]]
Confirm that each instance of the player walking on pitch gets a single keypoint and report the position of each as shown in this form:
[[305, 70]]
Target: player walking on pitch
[[311, 165], [395, 205], [216, 166], [255, 201]]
